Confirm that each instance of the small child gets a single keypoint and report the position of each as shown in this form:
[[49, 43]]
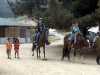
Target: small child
[[16, 48], [76, 30], [8, 48]]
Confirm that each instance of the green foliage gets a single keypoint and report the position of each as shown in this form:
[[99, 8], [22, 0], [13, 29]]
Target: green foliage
[[81, 8], [56, 16], [25, 7], [59, 15]]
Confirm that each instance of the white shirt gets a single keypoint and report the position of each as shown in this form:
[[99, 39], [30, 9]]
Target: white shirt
[[95, 38]]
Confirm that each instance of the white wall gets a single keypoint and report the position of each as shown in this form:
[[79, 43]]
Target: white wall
[[4, 40]]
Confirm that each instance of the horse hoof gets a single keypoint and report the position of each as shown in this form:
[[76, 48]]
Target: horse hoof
[[45, 59], [62, 58], [39, 58], [69, 59], [32, 54], [83, 63]]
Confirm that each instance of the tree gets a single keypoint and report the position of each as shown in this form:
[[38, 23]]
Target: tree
[[56, 16], [82, 8], [25, 7]]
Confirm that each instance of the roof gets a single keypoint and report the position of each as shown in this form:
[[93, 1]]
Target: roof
[[10, 23]]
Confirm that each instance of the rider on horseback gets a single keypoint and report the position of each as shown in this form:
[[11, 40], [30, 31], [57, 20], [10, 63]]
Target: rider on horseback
[[39, 29], [71, 38], [75, 31]]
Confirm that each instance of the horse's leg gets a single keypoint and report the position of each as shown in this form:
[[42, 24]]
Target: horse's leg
[[33, 48], [44, 51], [81, 56], [74, 55], [69, 53], [37, 52], [63, 55]]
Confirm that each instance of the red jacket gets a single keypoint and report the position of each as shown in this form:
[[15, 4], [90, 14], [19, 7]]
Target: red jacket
[[16, 46]]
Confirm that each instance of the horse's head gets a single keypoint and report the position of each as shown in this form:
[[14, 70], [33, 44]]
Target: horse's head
[[45, 31], [83, 41]]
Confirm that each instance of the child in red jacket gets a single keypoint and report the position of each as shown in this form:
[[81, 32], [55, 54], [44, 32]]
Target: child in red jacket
[[16, 48]]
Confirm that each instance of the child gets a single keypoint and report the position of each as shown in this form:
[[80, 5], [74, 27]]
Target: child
[[76, 30], [8, 48], [16, 48]]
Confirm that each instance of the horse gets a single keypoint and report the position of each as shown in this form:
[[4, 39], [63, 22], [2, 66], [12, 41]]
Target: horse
[[41, 43], [80, 43]]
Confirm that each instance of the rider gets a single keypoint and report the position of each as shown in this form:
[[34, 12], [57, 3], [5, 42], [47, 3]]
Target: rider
[[39, 30], [76, 30], [71, 38], [97, 44]]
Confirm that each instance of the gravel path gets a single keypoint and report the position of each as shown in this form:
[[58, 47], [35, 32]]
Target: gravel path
[[29, 65]]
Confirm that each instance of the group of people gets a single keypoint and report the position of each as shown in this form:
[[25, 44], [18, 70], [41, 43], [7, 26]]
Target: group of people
[[39, 30], [9, 47]]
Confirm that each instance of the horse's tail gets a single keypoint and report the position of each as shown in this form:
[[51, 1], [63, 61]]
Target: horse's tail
[[66, 51], [65, 48]]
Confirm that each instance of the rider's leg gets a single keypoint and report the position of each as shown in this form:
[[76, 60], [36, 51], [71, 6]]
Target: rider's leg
[[37, 37], [75, 38]]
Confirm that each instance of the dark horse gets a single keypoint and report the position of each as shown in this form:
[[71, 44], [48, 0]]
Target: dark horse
[[41, 43], [80, 43]]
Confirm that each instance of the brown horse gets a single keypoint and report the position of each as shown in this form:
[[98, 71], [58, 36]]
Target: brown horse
[[41, 43], [80, 43]]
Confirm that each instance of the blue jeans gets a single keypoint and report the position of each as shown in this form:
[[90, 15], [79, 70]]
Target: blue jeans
[[37, 37], [71, 38]]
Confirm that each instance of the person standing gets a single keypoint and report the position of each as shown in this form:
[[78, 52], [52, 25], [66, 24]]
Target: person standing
[[8, 48], [16, 48], [96, 42]]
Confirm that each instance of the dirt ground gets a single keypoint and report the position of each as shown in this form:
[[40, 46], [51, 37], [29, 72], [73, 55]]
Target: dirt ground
[[29, 65]]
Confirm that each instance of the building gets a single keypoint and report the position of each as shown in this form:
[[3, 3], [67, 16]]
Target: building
[[28, 21], [14, 30]]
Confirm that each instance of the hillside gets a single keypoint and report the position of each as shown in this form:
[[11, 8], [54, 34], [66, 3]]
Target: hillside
[[5, 10]]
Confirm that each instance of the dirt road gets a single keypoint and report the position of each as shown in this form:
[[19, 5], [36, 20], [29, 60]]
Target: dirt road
[[28, 65]]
